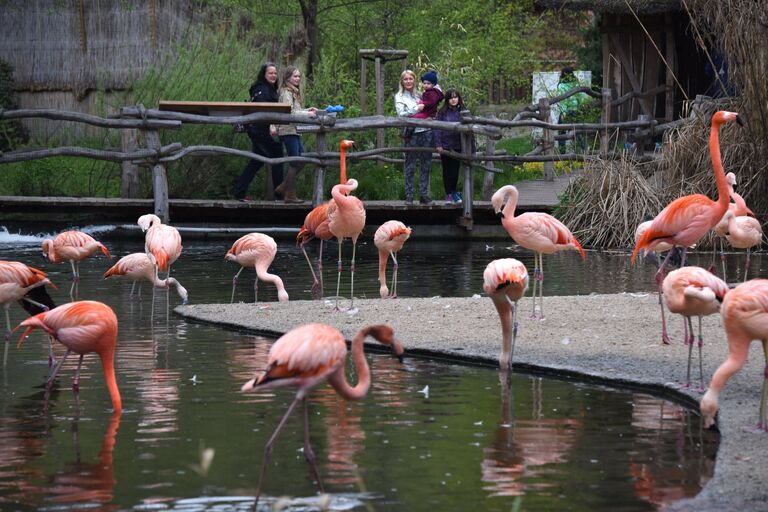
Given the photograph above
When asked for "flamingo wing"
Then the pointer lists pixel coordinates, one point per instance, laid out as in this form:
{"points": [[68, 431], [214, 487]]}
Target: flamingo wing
{"points": [[542, 233], [310, 351]]}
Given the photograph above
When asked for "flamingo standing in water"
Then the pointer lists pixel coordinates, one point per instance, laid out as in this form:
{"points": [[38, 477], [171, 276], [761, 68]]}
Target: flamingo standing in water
{"points": [[83, 327], [315, 226], [684, 221], [73, 246], [17, 280], [162, 241], [693, 291], [256, 250], [305, 357], [505, 282], [539, 232], [346, 219], [140, 266], [745, 318], [389, 239]]}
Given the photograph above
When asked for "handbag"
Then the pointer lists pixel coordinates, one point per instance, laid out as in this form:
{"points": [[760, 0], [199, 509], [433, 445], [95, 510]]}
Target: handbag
{"points": [[242, 127]]}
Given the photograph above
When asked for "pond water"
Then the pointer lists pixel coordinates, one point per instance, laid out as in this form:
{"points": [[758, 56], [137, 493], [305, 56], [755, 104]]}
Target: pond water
{"points": [[470, 439]]}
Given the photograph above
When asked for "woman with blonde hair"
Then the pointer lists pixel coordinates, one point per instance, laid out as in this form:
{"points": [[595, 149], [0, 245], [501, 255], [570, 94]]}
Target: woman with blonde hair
{"points": [[290, 92], [407, 104]]}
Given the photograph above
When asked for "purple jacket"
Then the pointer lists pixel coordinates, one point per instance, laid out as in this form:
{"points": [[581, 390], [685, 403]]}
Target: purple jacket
{"points": [[448, 140]]}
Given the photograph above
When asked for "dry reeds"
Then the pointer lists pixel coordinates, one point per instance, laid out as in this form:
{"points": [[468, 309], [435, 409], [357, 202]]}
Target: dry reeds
{"points": [[605, 205]]}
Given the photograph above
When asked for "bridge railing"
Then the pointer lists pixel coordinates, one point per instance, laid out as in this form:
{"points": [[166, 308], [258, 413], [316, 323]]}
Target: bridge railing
{"points": [[156, 156]]}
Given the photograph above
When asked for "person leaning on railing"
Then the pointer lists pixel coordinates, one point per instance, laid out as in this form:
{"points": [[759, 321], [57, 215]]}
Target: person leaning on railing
{"points": [[262, 135]]}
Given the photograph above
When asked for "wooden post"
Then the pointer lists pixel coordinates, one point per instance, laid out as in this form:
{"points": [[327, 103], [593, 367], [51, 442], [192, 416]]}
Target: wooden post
{"points": [[129, 180], [363, 87], [379, 101], [605, 118], [159, 179], [490, 149], [548, 140], [669, 96], [317, 197], [641, 141], [269, 185], [466, 150]]}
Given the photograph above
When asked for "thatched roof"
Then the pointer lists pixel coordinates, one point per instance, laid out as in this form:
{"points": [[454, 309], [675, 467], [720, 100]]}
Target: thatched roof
{"points": [[613, 6], [53, 45]]}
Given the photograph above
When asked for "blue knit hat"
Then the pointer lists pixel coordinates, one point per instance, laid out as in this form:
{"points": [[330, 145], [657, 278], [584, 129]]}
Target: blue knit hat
{"points": [[430, 76]]}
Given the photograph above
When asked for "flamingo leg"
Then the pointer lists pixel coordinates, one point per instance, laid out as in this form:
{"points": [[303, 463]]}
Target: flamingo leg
{"points": [[701, 363], [133, 286], [315, 282], [51, 358], [394, 275], [256, 289], [7, 333], [320, 267], [268, 447], [541, 286], [52, 376], [535, 283], [763, 422], [338, 279], [352, 277], [234, 283], [76, 381], [746, 266], [664, 334], [309, 453], [722, 256], [514, 331], [690, 353]]}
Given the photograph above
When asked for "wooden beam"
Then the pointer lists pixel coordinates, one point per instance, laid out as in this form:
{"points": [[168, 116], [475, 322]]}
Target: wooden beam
{"points": [[671, 51], [363, 87], [626, 65]]}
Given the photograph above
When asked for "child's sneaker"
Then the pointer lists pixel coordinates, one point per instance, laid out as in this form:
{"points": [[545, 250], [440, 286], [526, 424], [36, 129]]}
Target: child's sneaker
{"points": [[449, 199], [456, 197]]}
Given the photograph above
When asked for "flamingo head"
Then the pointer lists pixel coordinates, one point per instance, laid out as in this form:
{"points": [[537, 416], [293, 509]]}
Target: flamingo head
{"points": [[346, 144], [147, 221], [47, 247], [501, 197], [723, 116], [385, 335]]}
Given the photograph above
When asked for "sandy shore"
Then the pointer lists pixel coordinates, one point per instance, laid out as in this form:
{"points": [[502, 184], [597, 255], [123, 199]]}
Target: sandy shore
{"points": [[606, 337]]}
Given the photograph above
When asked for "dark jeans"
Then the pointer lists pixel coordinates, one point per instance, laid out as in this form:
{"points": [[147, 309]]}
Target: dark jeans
{"points": [[293, 147], [450, 173], [265, 147]]}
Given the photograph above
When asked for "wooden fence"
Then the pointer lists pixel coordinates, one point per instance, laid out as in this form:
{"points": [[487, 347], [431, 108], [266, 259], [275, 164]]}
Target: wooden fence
{"points": [[156, 156]]}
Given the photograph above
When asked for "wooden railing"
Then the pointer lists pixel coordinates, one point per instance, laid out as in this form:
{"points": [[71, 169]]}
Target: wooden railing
{"points": [[156, 156]]}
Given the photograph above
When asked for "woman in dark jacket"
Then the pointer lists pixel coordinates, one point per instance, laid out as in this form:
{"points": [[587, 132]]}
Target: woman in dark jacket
{"points": [[451, 141], [263, 141]]}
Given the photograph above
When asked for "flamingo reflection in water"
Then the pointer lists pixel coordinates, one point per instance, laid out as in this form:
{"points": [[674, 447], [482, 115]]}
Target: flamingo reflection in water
{"points": [[521, 448]]}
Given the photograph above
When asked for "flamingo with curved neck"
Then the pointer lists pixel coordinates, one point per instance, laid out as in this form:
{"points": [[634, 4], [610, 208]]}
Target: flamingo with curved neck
{"points": [[343, 146], [256, 250], [140, 266], [306, 356], [684, 221], [346, 219], [83, 327]]}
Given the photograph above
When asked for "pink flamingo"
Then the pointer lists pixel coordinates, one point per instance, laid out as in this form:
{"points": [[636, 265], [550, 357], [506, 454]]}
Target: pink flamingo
{"points": [[743, 232], [693, 291], [16, 281], [505, 282], [162, 241], [140, 266], [389, 239], [306, 356], [256, 250], [346, 219], [315, 226], [539, 232], [738, 208], [83, 327], [745, 318], [73, 246], [684, 221], [660, 248]]}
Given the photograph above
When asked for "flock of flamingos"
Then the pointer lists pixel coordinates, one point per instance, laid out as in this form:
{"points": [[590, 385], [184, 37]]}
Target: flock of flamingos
{"points": [[312, 353]]}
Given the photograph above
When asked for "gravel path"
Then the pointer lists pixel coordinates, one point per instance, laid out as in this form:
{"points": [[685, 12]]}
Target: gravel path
{"points": [[604, 337]]}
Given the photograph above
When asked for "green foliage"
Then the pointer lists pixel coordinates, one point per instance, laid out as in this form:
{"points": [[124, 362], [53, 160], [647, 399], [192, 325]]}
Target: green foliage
{"points": [[591, 54], [60, 176], [12, 133]]}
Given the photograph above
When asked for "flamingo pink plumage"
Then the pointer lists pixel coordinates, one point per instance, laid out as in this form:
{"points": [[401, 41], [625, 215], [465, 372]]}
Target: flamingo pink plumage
{"points": [[305, 357], [693, 291], [539, 232], [83, 327], [346, 219], [16, 281], [73, 246], [745, 318], [161, 240], [140, 266], [738, 208], [744, 232], [686, 219], [505, 282], [315, 226], [389, 239], [256, 250]]}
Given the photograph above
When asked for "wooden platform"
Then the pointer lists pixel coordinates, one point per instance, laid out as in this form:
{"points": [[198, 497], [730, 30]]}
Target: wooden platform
{"points": [[535, 195]]}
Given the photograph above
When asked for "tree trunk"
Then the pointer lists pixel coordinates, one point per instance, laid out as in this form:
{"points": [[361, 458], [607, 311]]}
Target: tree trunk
{"points": [[309, 17]]}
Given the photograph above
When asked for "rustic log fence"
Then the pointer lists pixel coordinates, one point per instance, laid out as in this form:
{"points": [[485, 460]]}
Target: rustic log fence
{"points": [[156, 156]]}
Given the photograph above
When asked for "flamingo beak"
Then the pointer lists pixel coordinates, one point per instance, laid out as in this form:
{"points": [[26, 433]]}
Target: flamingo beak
{"points": [[739, 120]]}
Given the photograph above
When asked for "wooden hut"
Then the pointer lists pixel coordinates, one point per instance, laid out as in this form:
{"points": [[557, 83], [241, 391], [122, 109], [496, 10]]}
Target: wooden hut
{"points": [[651, 57]]}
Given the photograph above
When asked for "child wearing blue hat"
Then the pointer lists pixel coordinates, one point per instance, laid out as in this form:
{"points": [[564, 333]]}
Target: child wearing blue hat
{"points": [[430, 98]]}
